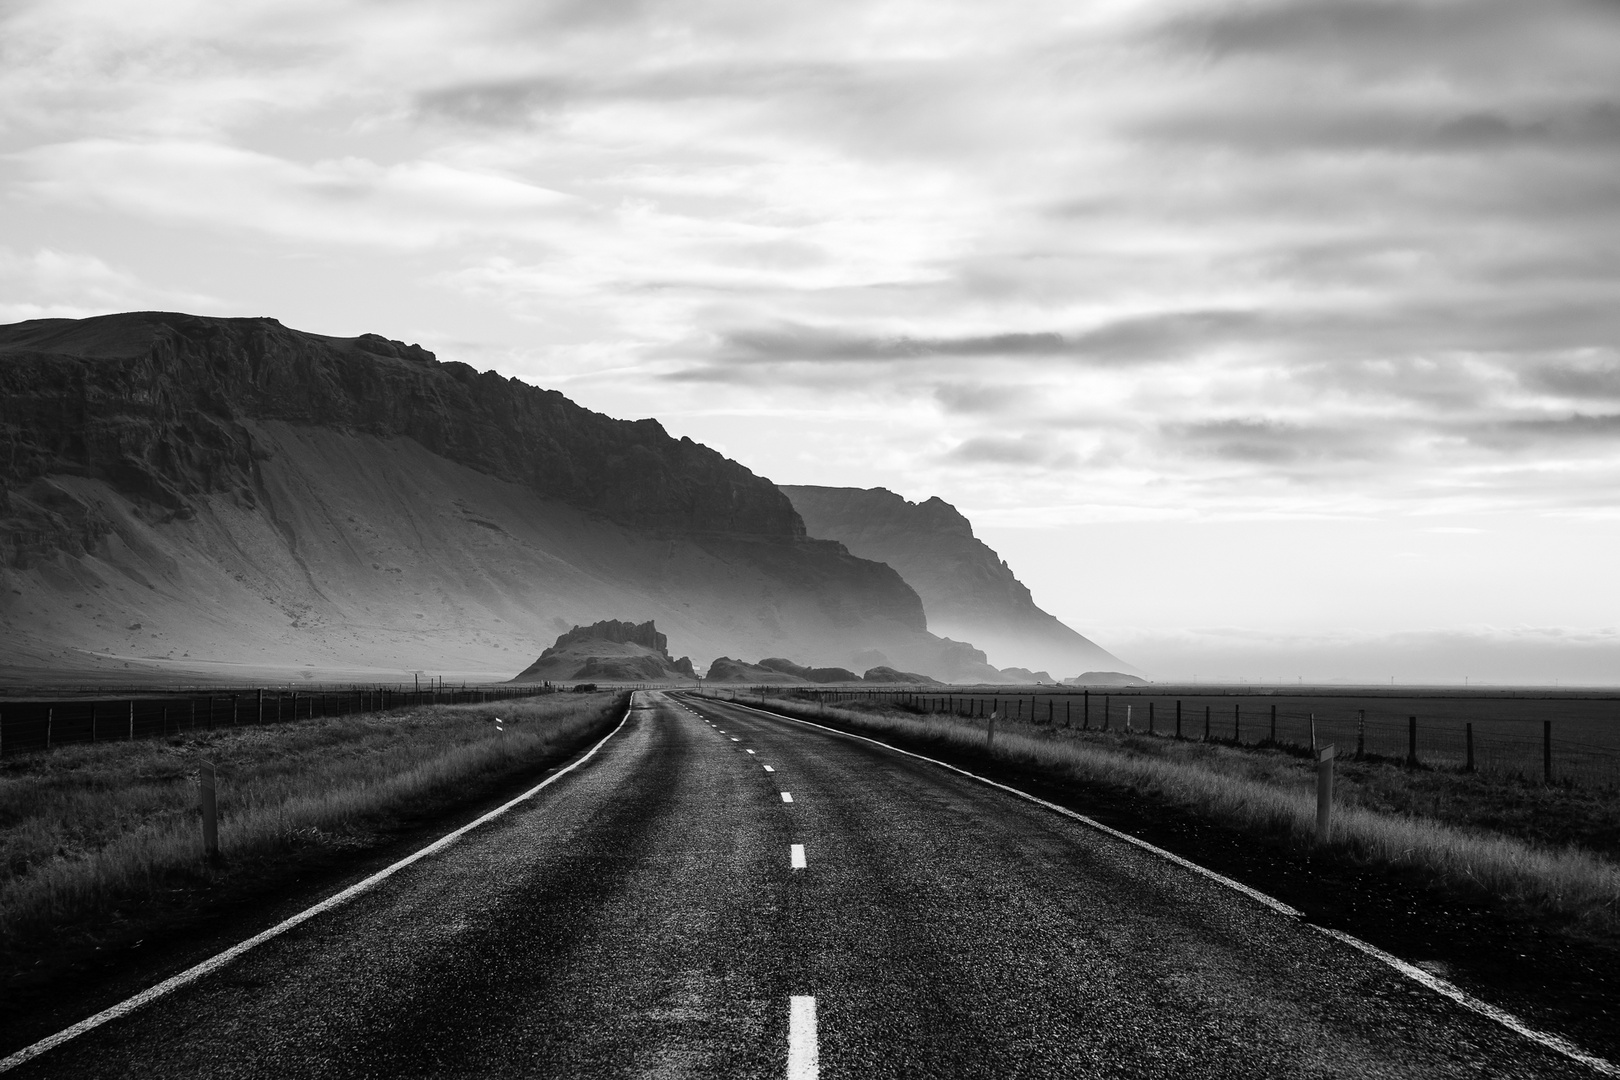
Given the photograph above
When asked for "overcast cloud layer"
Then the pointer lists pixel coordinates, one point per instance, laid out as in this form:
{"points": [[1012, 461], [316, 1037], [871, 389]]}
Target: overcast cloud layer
{"points": [[1058, 263]]}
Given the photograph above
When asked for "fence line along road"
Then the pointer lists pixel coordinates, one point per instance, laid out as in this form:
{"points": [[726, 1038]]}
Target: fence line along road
{"points": [[32, 726], [1553, 739]]}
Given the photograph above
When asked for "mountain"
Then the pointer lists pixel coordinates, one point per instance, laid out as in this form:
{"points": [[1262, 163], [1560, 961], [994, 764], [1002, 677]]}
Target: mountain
{"points": [[967, 590], [205, 496], [610, 651], [726, 670]]}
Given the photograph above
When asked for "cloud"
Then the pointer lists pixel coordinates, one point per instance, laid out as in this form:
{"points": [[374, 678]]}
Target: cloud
{"points": [[50, 284], [1134, 339], [1015, 450], [1273, 442], [501, 103], [343, 200]]}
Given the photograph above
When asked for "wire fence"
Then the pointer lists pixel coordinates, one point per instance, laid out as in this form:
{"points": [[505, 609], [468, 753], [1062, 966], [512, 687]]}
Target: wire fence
{"points": [[1557, 739], [40, 724]]}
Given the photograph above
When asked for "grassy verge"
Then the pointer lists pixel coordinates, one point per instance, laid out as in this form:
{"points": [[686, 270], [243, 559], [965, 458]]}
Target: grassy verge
{"points": [[89, 835], [1499, 837]]}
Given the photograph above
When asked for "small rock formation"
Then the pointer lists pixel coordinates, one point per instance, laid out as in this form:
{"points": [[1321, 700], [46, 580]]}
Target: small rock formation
{"points": [[608, 651], [891, 676], [1106, 678]]}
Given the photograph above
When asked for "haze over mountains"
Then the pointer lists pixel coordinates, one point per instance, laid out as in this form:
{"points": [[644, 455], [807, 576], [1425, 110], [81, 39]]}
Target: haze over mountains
{"points": [[968, 591], [232, 496]]}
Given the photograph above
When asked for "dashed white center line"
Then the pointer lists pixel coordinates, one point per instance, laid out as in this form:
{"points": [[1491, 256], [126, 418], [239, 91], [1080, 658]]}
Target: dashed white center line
{"points": [[735, 739], [796, 856], [804, 1056], [786, 797], [769, 769], [750, 751]]}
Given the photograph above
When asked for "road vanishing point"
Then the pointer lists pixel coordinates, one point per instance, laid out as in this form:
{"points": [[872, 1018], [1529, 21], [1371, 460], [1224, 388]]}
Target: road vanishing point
{"points": [[718, 892]]}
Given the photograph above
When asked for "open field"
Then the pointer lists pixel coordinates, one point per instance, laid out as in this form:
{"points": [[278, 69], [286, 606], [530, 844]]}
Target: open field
{"points": [[1550, 850], [1509, 728], [93, 832], [50, 719]]}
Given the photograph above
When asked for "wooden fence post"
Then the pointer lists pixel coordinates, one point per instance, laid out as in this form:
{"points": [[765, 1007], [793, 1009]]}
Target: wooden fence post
{"points": [[210, 812], [1361, 733], [1150, 718], [1468, 737], [1178, 719], [1106, 711], [132, 720], [50, 719], [1411, 742], [1085, 722], [1206, 723], [1274, 725], [261, 705], [1324, 794], [1546, 751], [1237, 724]]}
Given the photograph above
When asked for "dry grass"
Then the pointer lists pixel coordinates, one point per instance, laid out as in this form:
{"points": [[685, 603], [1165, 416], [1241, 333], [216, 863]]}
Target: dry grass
{"points": [[1274, 794], [87, 829]]}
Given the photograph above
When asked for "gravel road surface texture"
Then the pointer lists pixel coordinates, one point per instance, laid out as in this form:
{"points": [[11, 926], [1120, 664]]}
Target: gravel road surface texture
{"points": [[666, 910]]}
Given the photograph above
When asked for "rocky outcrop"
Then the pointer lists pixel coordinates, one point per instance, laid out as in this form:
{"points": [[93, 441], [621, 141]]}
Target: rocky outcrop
{"points": [[644, 634], [608, 651], [968, 591]]}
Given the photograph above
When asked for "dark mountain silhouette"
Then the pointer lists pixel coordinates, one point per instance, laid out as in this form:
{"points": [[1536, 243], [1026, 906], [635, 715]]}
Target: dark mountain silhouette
{"points": [[967, 590], [187, 494]]}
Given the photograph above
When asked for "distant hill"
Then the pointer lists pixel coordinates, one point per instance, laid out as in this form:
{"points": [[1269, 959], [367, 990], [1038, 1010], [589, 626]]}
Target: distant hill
{"points": [[968, 592], [1106, 678], [184, 496], [889, 676]]}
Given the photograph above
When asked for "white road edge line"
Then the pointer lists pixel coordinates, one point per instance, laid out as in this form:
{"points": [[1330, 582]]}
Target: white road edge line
{"points": [[786, 797], [1556, 1043], [804, 1054], [219, 960], [796, 856]]}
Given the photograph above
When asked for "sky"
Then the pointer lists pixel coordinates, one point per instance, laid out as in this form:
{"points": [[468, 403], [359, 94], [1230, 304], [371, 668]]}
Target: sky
{"points": [[1265, 340]]}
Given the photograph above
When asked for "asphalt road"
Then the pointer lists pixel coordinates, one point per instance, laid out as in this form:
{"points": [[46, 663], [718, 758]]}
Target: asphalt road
{"points": [[643, 917]]}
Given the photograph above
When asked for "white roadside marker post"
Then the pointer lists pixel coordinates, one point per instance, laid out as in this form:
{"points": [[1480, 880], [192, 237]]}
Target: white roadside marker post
{"points": [[1324, 794], [500, 726], [210, 810], [990, 735]]}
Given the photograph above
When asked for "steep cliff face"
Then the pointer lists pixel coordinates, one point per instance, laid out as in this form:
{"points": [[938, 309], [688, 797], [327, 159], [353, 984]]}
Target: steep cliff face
{"points": [[232, 496], [968, 591], [158, 404]]}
